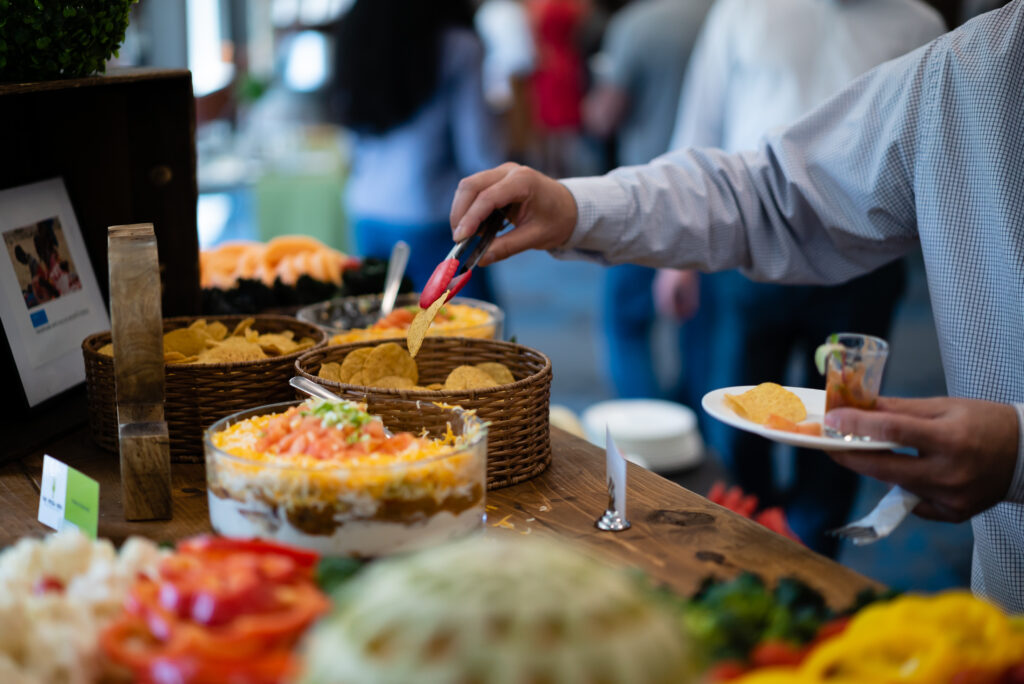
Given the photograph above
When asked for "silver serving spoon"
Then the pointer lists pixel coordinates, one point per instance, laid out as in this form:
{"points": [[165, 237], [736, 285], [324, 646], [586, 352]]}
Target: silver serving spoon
{"points": [[393, 278], [307, 386]]}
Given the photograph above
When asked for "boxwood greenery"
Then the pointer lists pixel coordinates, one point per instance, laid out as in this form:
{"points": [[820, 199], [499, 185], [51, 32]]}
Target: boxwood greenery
{"points": [[47, 39]]}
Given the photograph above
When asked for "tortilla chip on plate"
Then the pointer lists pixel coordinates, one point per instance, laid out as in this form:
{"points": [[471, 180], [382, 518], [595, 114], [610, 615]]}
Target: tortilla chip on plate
{"points": [[758, 403]]}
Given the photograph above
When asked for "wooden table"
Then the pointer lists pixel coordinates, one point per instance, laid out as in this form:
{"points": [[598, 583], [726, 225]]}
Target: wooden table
{"points": [[677, 536]]}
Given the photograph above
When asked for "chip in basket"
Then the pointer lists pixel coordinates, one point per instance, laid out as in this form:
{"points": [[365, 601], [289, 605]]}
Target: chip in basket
{"points": [[388, 366], [331, 371], [353, 363], [498, 371], [768, 398], [185, 341], [203, 342], [233, 350], [469, 377], [390, 359]]}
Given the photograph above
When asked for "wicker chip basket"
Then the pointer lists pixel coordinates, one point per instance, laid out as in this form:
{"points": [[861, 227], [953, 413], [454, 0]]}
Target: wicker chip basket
{"points": [[518, 438], [197, 395]]}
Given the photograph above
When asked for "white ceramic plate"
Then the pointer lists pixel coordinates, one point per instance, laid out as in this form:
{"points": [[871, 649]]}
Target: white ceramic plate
{"points": [[814, 400], [658, 435]]}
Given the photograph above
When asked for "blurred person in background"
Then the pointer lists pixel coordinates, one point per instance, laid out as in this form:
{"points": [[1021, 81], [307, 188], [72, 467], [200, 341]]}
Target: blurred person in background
{"points": [[761, 64], [509, 59], [409, 87], [640, 73], [557, 83]]}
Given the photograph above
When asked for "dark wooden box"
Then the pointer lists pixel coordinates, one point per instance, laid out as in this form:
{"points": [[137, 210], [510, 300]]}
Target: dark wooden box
{"points": [[124, 144]]}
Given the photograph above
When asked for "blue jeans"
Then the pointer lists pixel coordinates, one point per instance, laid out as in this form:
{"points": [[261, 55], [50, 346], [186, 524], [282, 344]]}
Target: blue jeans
{"points": [[429, 244], [745, 334], [627, 319]]}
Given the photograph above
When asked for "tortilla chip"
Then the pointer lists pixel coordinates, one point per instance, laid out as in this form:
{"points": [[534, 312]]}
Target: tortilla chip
{"points": [[187, 341], [767, 398], [390, 359], [354, 362], [106, 350], [435, 386], [358, 378], [242, 326], [277, 344], [394, 382], [499, 371], [217, 331], [467, 378], [420, 324], [330, 371], [305, 343], [232, 350]]}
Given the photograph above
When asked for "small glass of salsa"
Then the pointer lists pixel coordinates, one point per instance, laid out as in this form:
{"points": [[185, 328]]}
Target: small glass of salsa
{"points": [[853, 374]]}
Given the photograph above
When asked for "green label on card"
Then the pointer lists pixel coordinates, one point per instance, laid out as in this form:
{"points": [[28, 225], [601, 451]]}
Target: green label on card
{"points": [[68, 498]]}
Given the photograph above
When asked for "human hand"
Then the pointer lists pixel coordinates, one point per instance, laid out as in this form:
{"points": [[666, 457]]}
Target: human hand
{"points": [[542, 209], [676, 293], [967, 451]]}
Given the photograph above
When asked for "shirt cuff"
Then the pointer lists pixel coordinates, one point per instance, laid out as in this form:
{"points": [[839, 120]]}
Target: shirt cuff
{"points": [[601, 205], [1016, 491]]}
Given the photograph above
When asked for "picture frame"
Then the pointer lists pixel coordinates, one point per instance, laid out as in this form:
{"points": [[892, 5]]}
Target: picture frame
{"points": [[50, 299]]}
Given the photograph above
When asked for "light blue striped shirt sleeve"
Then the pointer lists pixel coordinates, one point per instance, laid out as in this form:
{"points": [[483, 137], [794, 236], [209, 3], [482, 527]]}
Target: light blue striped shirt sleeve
{"points": [[927, 149]]}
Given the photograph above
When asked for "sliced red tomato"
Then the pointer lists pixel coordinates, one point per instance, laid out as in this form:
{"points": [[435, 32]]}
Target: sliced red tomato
{"points": [[832, 628], [204, 543], [128, 642], [774, 653], [726, 670], [273, 667], [220, 610]]}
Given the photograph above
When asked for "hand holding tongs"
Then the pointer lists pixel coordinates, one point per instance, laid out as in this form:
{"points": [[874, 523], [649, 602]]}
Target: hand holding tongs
{"points": [[450, 274]]}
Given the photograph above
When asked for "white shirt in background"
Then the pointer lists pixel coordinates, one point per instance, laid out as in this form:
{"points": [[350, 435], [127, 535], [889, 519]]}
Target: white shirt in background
{"points": [[505, 31], [760, 64]]}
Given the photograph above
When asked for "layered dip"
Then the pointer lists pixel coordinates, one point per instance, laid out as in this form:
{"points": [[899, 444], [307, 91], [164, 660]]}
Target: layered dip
{"points": [[328, 476]]}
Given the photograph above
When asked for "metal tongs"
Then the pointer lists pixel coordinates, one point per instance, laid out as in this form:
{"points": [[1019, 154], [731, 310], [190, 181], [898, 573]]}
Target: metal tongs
{"points": [[453, 273]]}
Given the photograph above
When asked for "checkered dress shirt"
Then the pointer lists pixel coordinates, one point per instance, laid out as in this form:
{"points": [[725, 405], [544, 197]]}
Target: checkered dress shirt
{"points": [[927, 150]]}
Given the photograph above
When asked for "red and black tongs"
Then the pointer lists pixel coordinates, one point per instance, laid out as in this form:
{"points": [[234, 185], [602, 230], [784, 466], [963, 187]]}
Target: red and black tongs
{"points": [[453, 273]]}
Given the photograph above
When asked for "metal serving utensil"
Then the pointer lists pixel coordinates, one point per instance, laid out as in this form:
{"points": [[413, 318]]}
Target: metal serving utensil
{"points": [[453, 273], [393, 278], [307, 386]]}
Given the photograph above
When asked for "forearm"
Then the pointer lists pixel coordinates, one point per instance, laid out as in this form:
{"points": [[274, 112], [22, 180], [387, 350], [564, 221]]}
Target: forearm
{"points": [[712, 211]]}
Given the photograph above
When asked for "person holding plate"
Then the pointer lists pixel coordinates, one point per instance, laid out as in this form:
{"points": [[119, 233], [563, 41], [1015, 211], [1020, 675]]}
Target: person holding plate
{"points": [[925, 150]]}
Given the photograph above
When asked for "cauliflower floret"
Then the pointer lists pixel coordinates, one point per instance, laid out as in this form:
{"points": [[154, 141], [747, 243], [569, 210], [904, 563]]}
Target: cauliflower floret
{"points": [[52, 637]]}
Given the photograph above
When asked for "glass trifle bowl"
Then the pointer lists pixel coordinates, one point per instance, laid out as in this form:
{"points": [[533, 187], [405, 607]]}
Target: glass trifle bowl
{"points": [[330, 477], [355, 319]]}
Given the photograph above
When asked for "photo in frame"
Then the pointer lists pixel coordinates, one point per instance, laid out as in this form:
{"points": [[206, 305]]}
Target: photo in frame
{"points": [[51, 299]]}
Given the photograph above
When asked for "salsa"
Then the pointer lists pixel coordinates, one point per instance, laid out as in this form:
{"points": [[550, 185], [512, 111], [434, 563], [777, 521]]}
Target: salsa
{"points": [[334, 431], [844, 387]]}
